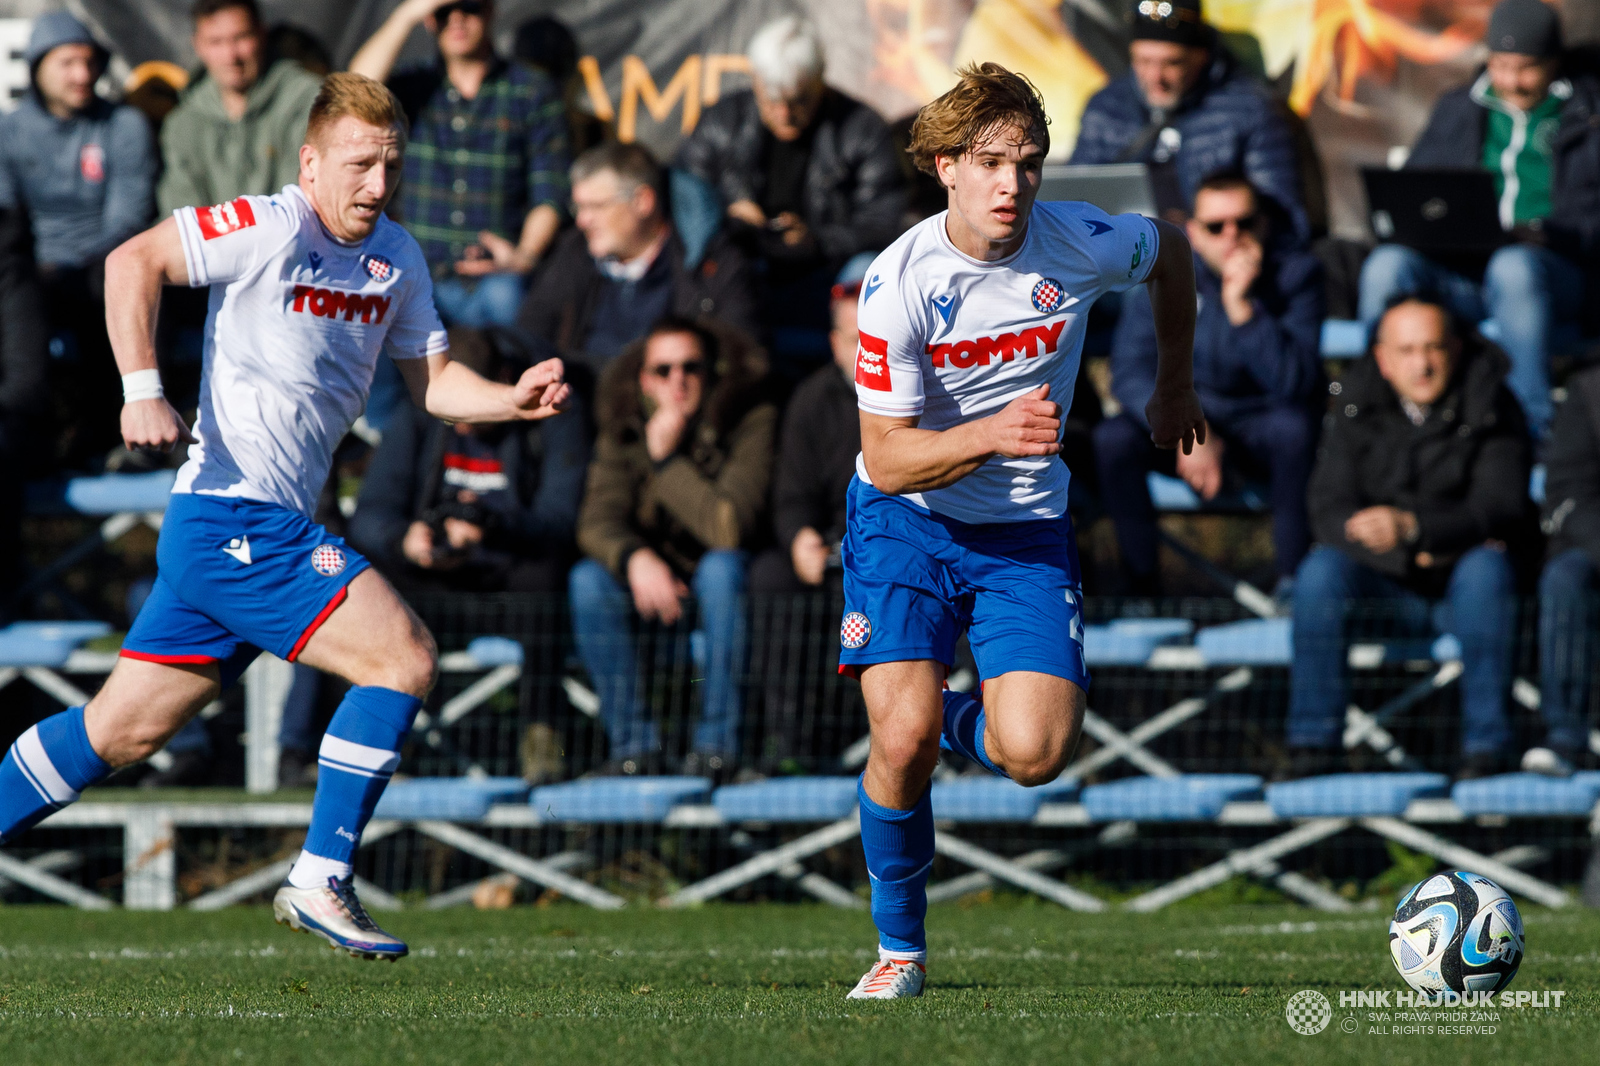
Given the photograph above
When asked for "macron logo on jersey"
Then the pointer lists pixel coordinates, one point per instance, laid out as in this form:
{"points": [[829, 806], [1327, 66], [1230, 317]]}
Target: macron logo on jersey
{"points": [[1006, 347], [872, 362], [219, 220], [330, 303]]}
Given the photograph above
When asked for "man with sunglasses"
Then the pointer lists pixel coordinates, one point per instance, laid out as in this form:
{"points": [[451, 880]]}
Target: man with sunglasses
{"points": [[1257, 368], [486, 170]]}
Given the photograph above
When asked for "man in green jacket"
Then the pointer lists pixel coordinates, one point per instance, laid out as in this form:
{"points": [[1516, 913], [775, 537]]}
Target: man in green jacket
{"points": [[238, 129]]}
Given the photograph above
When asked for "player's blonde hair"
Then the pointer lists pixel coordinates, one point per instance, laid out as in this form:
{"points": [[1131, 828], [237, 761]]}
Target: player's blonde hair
{"points": [[987, 98], [358, 96]]}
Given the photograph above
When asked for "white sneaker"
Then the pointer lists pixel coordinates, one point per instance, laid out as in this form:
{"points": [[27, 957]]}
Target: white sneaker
{"points": [[333, 912], [1546, 761], [891, 979]]}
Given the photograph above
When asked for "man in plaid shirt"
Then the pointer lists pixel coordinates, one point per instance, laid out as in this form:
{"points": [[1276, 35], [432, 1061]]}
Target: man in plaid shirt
{"points": [[486, 167]]}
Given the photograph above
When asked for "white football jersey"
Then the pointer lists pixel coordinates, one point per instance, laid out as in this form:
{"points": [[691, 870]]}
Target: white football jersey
{"points": [[949, 339], [296, 323]]}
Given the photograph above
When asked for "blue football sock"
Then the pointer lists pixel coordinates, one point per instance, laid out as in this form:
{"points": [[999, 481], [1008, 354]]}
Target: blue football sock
{"points": [[963, 729], [357, 758], [45, 770], [899, 848]]}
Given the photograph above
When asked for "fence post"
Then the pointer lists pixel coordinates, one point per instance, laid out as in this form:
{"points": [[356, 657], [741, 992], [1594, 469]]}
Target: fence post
{"points": [[266, 690]]}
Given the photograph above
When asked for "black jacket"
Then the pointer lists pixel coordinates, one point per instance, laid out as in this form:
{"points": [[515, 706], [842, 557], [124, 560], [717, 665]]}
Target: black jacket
{"points": [[1572, 486], [560, 304], [816, 457], [1454, 138], [1463, 472], [24, 334], [854, 192], [545, 461]]}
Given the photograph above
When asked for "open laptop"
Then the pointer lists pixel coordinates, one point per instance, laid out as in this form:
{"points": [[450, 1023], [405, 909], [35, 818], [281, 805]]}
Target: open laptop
{"points": [[1434, 210], [1115, 188]]}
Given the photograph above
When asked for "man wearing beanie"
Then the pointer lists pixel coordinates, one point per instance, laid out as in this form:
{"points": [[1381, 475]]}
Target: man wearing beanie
{"points": [[84, 172], [1536, 127], [1189, 110]]}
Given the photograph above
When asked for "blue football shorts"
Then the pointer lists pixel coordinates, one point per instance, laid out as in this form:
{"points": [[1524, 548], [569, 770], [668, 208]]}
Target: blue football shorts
{"points": [[236, 576], [913, 580]]}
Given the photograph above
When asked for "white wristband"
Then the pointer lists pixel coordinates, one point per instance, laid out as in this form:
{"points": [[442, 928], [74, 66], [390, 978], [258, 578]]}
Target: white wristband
{"points": [[141, 385]]}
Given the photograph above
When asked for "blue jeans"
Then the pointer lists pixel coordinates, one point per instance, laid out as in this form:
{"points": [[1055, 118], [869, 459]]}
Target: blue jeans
{"points": [[1531, 296], [1479, 608], [602, 622], [476, 303], [1566, 648]]}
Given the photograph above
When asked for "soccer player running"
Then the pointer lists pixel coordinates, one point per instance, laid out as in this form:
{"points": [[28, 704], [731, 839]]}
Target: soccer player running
{"points": [[971, 330], [308, 289]]}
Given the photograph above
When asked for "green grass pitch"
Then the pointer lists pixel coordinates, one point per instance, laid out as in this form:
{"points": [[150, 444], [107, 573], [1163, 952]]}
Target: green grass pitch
{"points": [[1012, 982]]}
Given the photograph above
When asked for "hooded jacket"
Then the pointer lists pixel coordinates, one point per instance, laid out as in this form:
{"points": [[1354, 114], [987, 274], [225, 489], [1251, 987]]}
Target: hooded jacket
{"points": [[711, 494], [1226, 122], [854, 190], [1463, 472], [211, 157]]}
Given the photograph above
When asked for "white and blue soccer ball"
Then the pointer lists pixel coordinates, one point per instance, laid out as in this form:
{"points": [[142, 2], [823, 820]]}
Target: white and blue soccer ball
{"points": [[1457, 932]]}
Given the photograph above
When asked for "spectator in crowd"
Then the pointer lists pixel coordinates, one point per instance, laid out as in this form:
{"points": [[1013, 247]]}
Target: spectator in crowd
{"points": [[623, 267], [486, 508], [1538, 133], [486, 167], [84, 171], [285, 40], [808, 175], [1188, 109], [546, 42], [821, 436], [23, 361], [1257, 367], [1419, 497], [238, 130], [1567, 630], [676, 496]]}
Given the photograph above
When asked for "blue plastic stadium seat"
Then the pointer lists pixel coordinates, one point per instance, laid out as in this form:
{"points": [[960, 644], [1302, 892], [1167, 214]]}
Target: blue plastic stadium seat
{"points": [[113, 493], [1353, 795], [447, 799], [1256, 642], [787, 799], [45, 643], [981, 798], [1187, 798], [1130, 641], [1343, 338], [496, 651], [617, 799], [1528, 794]]}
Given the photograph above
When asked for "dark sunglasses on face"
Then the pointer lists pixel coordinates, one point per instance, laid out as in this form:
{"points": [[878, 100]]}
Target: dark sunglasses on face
{"points": [[692, 368], [466, 7], [1248, 222]]}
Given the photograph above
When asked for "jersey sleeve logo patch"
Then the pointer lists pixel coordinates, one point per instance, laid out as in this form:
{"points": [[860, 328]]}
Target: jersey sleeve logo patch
{"points": [[856, 630], [327, 560], [378, 268], [872, 362], [219, 220], [1048, 295]]}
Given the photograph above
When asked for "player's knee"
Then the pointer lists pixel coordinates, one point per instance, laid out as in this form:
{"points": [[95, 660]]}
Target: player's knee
{"points": [[908, 753], [1038, 767], [419, 667]]}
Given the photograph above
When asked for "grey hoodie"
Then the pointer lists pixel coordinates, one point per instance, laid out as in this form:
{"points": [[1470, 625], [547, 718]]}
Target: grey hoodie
{"points": [[211, 157]]}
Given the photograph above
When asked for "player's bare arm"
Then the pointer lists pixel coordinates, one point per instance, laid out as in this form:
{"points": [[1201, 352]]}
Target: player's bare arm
{"points": [[1173, 412], [456, 393], [135, 273], [901, 458]]}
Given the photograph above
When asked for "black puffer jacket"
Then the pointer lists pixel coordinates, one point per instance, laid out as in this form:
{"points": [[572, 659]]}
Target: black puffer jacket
{"points": [[1572, 490], [854, 192], [1463, 472], [1454, 138]]}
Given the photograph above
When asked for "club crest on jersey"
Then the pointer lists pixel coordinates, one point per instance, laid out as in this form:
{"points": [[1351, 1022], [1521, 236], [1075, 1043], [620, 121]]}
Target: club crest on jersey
{"points": [[327, 560], [856, 630], [378, 268], [219, 220], [945, 305], [1048, 296]]}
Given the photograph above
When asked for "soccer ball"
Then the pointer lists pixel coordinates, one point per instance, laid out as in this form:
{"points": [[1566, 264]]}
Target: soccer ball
{"points": [[1456, 932]]}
